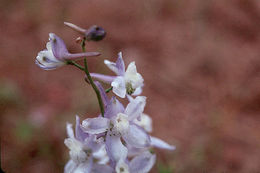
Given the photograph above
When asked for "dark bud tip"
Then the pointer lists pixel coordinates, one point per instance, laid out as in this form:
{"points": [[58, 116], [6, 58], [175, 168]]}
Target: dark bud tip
{"points": [[95, 33]]}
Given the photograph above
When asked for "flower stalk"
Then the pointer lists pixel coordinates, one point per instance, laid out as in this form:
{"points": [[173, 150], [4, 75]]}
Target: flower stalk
{"points": [[100, 102]]}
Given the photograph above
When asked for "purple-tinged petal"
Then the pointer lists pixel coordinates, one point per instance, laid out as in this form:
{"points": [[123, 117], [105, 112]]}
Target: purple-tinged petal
{"points": [[80, 134], [119, 86], [102, 93], [93, 143], [113, 108], [75, 56], [84, 167], [142, 163], [112, 66], [58, 46], [135, 108], [104, 78], [120, 65], [115, 149], [70, 167], [100, 168], [158, 143], [137, 137], [95, 125]]}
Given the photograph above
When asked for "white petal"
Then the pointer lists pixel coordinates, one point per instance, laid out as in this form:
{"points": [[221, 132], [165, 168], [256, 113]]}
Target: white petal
{"points": [[70, 132], [95, 125], [144, 122], [111, 66], [131, 76], [115, 149], [137, 137], [142, 163], [138, 91], [119, 86], [76, 150], [158, 143], [136, 107]]}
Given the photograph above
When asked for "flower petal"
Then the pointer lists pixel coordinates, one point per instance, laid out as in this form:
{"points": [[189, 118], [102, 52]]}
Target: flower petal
{"points": [[111, 66], [145, 122], [70, 132], [137, 137], [75, 56], [84, 167], [80, 134], [102, 93], [133, 77], [142, 163], [119, 86], [100, 168], [115, 149], [122, 167], [95, 125], [70, 166], [104, 78], [158, 143], [120, 64], [58, 46], [136, 107], [113, 108], [46, 60]]}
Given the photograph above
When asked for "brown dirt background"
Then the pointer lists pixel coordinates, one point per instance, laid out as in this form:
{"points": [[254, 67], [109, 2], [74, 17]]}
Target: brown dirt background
{"points": [[200, 60]]}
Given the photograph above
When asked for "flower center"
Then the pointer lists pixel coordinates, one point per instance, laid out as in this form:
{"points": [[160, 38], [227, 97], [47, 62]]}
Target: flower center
{"points": [[120, 124]]}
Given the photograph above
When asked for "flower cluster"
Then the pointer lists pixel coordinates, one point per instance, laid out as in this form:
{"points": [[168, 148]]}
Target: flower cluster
{"points": [[118, 140]]}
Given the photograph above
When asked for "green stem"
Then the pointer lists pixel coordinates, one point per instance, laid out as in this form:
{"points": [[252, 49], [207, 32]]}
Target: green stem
{"points": [[91, 80], [109, 89], [69, 62]]}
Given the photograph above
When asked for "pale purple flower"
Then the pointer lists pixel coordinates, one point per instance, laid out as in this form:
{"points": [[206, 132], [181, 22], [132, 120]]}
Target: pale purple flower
{"points": [[127, 81], [57, 54], [118, 123], [142, 163], [84, 148]]}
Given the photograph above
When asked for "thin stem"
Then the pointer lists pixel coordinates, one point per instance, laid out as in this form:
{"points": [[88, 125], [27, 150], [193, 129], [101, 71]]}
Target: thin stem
{"points": [[100, 102], [69, 62], [109, 89]]}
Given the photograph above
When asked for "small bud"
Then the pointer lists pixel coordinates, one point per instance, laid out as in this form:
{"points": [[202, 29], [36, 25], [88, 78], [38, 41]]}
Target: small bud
{"points": [[94, 33]]}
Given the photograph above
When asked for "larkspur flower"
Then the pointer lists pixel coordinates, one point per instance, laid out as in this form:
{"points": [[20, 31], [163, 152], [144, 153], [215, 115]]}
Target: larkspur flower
{"points": [[84, 149], [57, 54], [118, 123], [127, 81]]}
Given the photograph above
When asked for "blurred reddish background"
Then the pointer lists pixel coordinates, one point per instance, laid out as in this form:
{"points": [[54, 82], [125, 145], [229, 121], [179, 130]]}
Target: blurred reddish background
{"points": [[200, 60]]}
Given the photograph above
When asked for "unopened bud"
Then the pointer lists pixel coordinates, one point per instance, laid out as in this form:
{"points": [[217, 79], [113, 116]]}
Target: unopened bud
{"points": [[94, 33]]}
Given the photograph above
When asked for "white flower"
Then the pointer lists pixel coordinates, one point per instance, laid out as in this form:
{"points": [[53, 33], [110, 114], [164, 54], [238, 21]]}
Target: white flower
{"points": [[126, 82]]}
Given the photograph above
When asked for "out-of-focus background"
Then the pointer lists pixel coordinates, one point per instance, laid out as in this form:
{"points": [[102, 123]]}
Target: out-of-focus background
{"points": [[200, 60]]}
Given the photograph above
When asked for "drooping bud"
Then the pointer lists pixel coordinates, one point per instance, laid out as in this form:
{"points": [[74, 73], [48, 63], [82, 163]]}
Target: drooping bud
{"points": [[93, 33]]}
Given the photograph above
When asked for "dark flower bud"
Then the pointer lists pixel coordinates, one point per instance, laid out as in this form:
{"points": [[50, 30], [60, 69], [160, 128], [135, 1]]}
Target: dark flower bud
{"points": [[94, 33]]}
